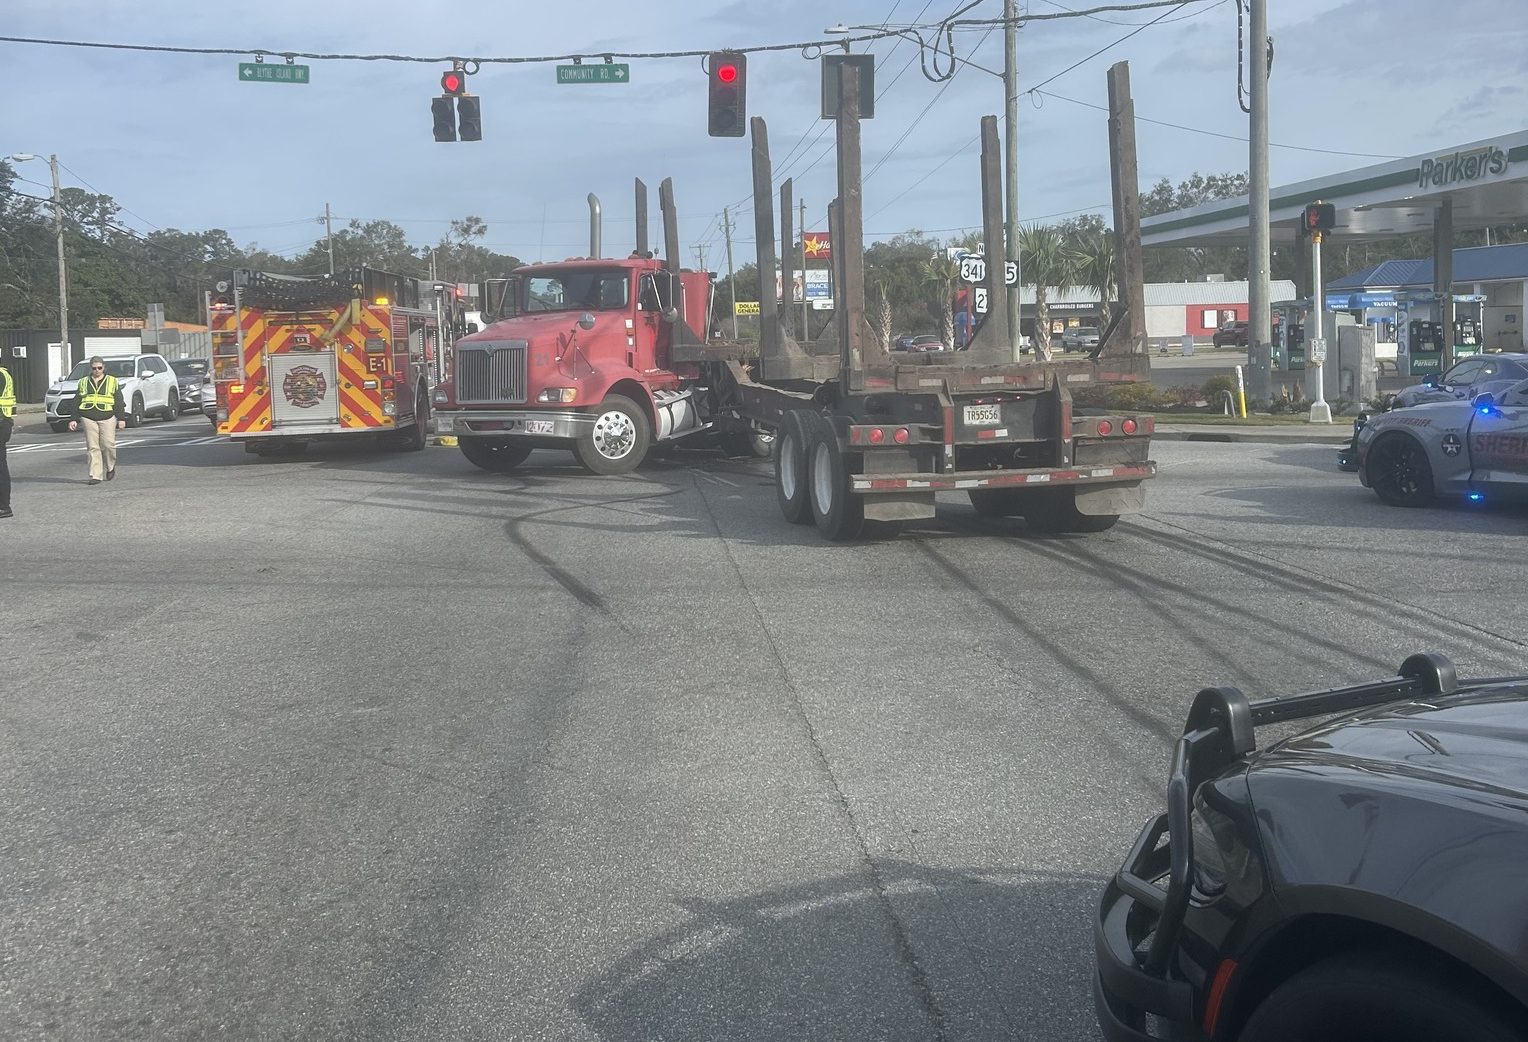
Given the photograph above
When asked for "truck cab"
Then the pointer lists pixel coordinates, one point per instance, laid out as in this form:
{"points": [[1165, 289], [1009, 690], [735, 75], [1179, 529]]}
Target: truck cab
{"points": [[581, 360]]}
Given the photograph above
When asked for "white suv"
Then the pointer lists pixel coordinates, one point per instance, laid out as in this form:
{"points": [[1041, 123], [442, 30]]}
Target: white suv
{"points": [[148, 385]]}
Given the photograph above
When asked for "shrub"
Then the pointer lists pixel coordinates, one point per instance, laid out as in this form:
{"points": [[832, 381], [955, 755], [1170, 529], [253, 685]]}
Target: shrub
{"points": [[1215, 385], [1186, 397], [1280, 407]]}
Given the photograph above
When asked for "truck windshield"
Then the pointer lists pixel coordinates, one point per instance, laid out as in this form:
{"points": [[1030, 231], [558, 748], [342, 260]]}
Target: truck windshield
{"points": [[578, 291]]}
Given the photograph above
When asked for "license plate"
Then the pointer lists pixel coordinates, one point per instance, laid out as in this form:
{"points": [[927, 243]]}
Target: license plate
{"points": [[538, 426], [977, 415]]}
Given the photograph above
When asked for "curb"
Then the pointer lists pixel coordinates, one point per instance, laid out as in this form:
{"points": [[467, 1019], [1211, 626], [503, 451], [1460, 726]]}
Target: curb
{"points": [[1314, 438], [447, 440]]}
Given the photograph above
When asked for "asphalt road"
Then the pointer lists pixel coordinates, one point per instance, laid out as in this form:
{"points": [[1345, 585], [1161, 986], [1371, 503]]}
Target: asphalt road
{"points": [[377, 746]]}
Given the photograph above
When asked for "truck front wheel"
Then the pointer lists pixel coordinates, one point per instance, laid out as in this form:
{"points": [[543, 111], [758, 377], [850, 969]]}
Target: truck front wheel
{"points": [[499, 457], [617, 441]]}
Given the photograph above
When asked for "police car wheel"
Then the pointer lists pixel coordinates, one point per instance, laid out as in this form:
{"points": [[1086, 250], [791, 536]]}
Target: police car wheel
{"points": [[1399, 472]]}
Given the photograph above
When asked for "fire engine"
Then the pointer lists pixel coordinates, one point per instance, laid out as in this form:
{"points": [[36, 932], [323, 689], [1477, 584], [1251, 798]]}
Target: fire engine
{"points": [[298, 359]]}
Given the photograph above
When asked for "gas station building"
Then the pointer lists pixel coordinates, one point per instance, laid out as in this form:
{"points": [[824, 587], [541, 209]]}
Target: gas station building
{"points": [[1430, 310]]}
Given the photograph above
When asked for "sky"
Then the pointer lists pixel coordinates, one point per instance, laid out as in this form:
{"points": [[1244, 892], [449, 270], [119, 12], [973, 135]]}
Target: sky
{"points": [[179, 142]]}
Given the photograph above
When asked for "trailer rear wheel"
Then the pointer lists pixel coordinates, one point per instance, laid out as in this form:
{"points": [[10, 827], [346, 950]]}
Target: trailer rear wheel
{"points": [[1054, 510], [791, 474], [997, 502], [839, 513], [498, 457], [617, 441]]}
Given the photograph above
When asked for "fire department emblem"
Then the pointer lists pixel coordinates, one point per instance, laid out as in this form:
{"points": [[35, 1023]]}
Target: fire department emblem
{"points": [[304, 386]]}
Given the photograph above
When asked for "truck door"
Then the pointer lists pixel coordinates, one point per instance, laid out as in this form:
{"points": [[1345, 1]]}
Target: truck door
{"points": [[1499, 442]]}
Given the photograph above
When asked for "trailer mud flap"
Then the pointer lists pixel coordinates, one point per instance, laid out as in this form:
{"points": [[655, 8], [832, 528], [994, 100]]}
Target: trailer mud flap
{"points": [[1102, 500], [901, 506]]}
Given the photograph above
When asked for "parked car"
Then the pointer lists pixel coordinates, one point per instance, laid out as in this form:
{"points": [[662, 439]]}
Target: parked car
{"points": [[209, 399], [1467, 378], [148, 385], [1079, 338], [1358, 880], [1232, 334], [1466, 449], [190, 374], [918, 342]]}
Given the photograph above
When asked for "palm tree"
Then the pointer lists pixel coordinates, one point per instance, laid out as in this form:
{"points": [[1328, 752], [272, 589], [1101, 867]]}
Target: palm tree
{"points": [[1047, 265], [880, 318], [942, 275], [1094, 260]]}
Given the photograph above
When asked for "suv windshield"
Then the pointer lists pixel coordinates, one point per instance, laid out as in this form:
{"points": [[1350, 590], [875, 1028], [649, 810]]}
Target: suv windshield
{"points": [[121, 368], [1086, 331], [189, 366], [578, 291]]}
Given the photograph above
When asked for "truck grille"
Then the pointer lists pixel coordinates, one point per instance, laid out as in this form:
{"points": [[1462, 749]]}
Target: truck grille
{"points": [[491, 373]]}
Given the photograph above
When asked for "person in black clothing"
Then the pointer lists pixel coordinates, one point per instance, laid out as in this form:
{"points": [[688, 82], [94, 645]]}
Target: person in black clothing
{"points": [[98, 408], [7, 424]]}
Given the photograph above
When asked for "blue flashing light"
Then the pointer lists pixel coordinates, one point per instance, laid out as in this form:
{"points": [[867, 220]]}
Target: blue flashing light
{"points": [[1476, 497], [1485, 410]]}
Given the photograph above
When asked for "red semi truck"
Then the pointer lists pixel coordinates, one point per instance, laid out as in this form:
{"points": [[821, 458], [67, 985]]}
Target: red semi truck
{"points": [[608, 358]]}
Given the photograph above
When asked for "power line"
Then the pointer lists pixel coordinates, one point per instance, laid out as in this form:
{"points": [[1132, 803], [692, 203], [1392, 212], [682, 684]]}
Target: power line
{"points": [[1215, 133]]}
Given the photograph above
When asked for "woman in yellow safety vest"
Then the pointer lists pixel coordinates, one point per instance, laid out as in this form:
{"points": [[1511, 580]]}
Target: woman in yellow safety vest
{"points": [[7, 424], [98, 408]]}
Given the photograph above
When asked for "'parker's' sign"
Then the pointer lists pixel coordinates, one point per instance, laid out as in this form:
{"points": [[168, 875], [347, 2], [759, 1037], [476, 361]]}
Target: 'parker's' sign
{"points": [[1462, 167]]}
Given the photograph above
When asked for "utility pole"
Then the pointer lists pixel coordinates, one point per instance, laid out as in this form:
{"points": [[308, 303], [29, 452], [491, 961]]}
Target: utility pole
{"points": [[329, 235], [1011, 159], [731, 275], [1259, 291], [63, 278], [700, 256]]}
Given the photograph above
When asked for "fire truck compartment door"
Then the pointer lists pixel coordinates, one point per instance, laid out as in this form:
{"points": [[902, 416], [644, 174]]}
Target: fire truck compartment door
{"points": [[304, 389]]}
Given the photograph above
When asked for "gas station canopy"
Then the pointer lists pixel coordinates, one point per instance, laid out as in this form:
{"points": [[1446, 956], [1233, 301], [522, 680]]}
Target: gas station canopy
{"points": [[1486, 181]]}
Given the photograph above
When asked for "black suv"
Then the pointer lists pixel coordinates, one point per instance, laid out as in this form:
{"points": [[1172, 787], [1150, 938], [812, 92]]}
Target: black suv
{"points": [[1361, 880]]}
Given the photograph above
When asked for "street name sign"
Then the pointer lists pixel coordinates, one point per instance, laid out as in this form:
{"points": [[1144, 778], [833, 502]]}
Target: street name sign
{"points": [[259, 72], [611, 73]]}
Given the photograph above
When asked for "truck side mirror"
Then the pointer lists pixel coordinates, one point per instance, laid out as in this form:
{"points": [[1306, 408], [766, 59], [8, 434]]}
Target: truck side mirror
{"points": [[586, 321]]}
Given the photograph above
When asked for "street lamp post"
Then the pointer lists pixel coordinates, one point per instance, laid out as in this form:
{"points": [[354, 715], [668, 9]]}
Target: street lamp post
{"points": [[1009, 76], [63, 276]]}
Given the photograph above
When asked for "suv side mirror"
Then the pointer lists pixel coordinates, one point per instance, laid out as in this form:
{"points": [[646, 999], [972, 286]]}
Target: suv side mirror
{"points": [[1485, 399], [1432, 380]]}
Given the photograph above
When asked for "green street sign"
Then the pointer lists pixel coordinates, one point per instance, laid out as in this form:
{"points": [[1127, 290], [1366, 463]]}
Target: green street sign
{"points": [[259, 72], [594, 73]]}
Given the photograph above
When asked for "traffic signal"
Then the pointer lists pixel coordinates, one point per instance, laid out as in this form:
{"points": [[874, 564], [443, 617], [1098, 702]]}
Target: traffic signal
{"points": [[444, 110], [453, 82], [470, 117], [728, 73], [1320, 217]]}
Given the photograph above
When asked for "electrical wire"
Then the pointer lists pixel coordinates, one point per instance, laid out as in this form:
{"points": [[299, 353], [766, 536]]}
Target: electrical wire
{"points": [[1214, 133]]}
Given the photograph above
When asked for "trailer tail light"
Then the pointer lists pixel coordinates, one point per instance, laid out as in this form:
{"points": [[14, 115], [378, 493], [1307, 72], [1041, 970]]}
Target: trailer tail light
{"points": [[901, 436], [1105, 428], [1128, 427], [877, 436]]}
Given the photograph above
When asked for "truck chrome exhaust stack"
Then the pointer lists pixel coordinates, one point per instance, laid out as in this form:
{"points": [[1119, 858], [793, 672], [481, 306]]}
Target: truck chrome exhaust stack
{"points": [[594, 225]]}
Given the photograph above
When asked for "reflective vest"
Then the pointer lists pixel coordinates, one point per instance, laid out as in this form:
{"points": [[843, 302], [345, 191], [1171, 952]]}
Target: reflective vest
{"points": [[7, 393], [102, 396]]}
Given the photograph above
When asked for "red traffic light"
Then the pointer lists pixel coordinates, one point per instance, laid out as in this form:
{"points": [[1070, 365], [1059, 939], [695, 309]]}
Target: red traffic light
{"points": [[453, 82], [1320, 217], [726, 73]]}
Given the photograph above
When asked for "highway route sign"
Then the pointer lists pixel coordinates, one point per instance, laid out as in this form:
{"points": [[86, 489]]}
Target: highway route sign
{"points": [[973, 268]]}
